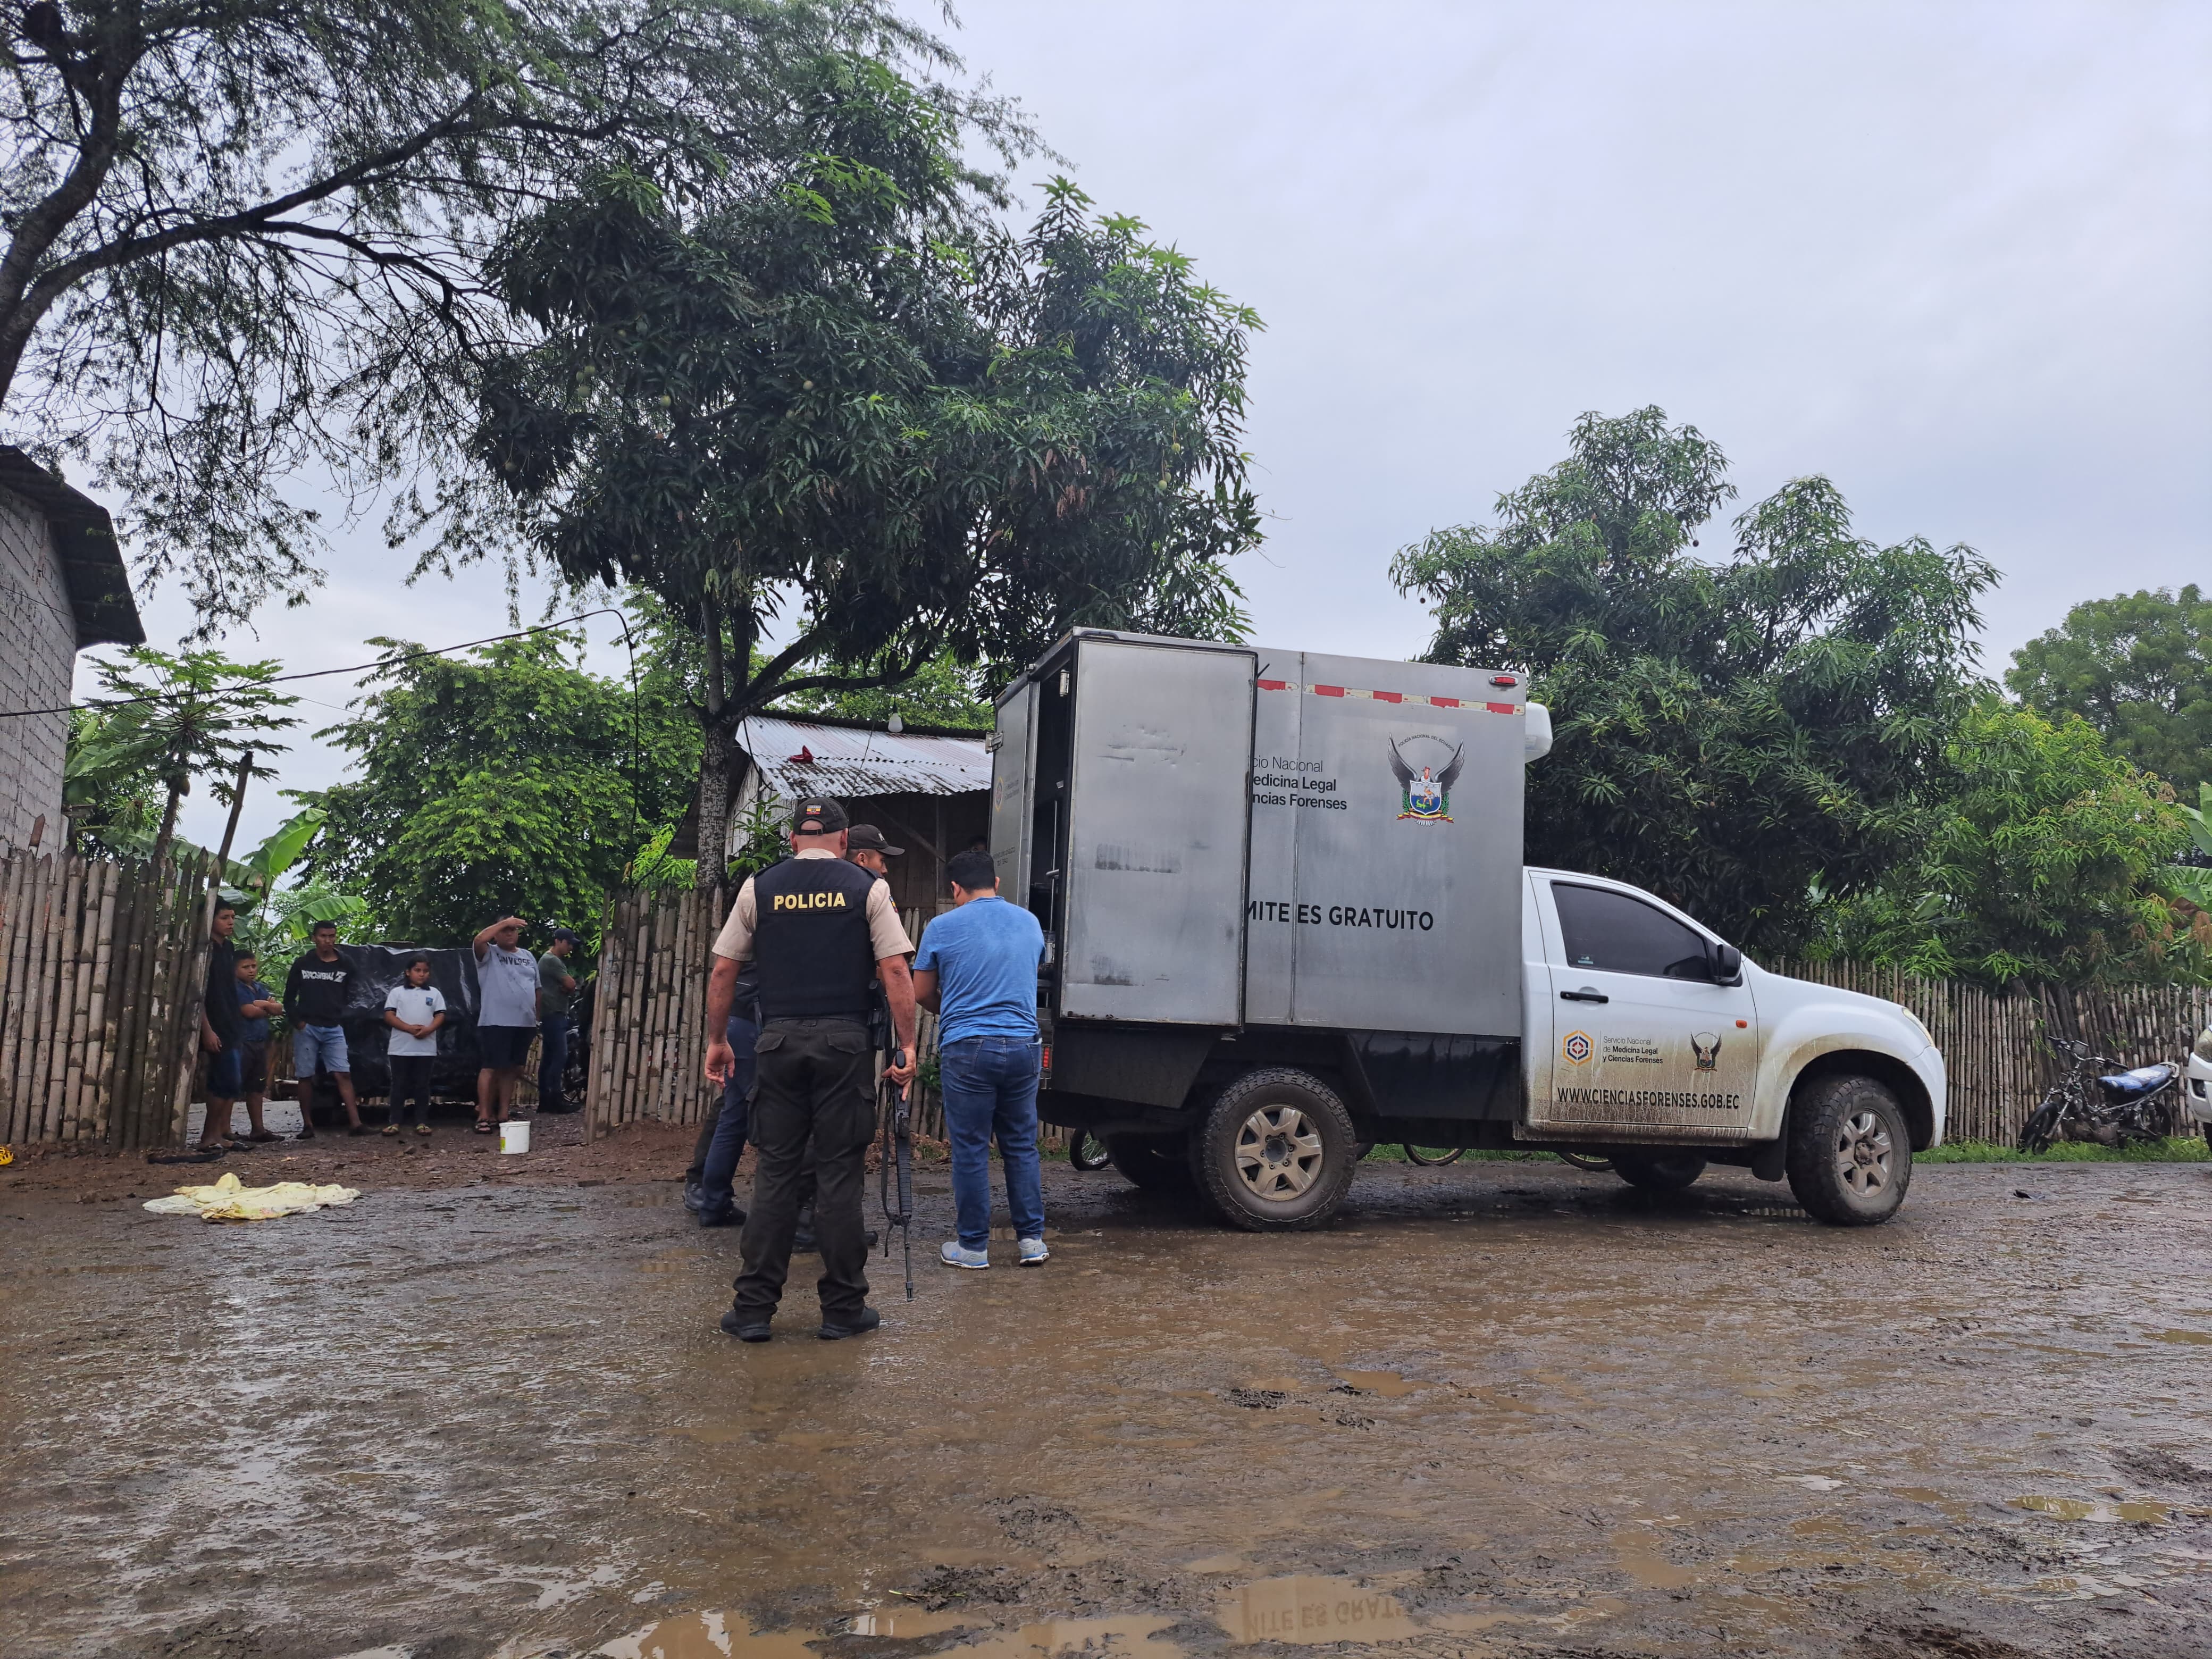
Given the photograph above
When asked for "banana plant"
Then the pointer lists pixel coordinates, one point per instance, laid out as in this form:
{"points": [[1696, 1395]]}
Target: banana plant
{"points": [[2189, 881]]}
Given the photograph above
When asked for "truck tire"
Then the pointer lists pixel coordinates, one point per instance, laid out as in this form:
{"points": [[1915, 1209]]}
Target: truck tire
{"points": [[1851, 1155], [1658, 1172], [1155, 1163], [1275, 1151]]}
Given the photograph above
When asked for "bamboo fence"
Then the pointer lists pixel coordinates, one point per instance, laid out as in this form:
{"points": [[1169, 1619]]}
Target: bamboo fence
{"points": [[102, 969], [1995, 1057]]}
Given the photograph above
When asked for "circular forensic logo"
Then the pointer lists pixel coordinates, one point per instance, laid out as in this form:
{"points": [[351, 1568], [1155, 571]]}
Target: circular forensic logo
{"points": [[1575, 1047]]}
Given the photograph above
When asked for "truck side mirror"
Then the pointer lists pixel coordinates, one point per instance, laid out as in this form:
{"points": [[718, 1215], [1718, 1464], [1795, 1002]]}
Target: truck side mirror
{"points": [[1728, 965]]}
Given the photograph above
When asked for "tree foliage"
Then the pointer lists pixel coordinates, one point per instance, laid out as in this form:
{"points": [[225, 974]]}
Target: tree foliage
{"points": [[167, 718], [2045, 866], [243, 236], [2138, 667], [507, 781], [842, 405], [1742, 734]]}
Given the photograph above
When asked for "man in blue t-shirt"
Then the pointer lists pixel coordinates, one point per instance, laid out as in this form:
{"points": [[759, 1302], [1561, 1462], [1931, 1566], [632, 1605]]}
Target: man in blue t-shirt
{"points": [[978, 969]]}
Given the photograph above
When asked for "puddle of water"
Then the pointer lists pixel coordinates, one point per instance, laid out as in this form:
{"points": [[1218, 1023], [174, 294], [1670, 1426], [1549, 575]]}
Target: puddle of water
{"points": [[1307, 1609], [1638, 1550], [2204, 1337], [1132, 1637], [706, 1635], [910, 1622], [816, 1442], [2091, 1508], [1389, 1384], [1810, 1482]]}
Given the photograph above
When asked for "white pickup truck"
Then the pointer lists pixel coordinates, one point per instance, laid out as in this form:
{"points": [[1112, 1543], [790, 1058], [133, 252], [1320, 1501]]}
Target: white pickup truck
{"points": [[1287, 917]]}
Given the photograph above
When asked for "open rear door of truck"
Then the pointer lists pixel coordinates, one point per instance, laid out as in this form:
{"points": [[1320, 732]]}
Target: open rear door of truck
{"points": [[1160, 802]]}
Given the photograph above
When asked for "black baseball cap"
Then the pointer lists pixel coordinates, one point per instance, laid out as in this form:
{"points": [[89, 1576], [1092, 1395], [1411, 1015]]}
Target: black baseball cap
{"points": [[568, 933], [867, 838], [817, 814]]}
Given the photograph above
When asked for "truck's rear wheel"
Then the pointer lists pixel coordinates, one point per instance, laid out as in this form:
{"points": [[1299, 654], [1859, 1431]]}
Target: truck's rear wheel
{"points": [[1275, 1151], [1851, 1155], [1658, 1172], [1152, 1162]]}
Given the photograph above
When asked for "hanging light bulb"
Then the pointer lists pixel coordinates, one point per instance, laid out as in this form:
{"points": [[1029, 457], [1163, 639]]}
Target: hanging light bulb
{"points": [[895, 723]]}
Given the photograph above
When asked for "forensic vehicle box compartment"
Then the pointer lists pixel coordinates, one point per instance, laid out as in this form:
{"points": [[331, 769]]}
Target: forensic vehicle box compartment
{"points": [[1219, 836]]}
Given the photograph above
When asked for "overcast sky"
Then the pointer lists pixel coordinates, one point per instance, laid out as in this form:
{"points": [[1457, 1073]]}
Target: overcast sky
{"points": [[1958, 257]]}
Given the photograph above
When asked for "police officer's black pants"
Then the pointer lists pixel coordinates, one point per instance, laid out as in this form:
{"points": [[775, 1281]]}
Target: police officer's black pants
{"points": [[817, 1078]]}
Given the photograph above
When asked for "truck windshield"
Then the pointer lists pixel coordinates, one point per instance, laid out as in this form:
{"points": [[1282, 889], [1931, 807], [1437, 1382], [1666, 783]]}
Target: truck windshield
{"points": [[1614, 934]]}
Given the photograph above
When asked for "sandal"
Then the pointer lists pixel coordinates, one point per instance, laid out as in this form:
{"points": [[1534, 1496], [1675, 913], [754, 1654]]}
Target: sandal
{"points": [[264, 1136], [391, 1128], [422, 1128], [307, 1132], [486, 1127]]}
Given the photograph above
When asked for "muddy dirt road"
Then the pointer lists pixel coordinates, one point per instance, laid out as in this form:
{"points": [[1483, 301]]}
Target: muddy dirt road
{"points": [[1500, 1409]]}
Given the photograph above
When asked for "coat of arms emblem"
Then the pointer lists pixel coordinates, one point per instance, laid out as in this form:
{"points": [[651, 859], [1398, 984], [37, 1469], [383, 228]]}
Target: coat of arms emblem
{"points": [[1426, 793]]}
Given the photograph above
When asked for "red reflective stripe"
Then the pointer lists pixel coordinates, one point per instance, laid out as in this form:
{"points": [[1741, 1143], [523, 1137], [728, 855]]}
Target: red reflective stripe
{"points": [[1445, 703], [1501, 708], [1387, 696], [1329, 690], [1274, 685]]}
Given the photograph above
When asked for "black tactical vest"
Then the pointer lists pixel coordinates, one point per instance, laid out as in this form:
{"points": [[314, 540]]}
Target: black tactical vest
{"points": [[810, 939]]}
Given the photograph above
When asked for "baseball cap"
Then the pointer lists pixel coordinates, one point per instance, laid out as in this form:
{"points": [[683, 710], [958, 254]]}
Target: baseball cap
{"points": [[867, 838], [817, 814], [568, 933]]}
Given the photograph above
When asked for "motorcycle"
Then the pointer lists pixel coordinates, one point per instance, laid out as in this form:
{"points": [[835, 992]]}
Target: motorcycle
{"points": [[2100, 1100]]}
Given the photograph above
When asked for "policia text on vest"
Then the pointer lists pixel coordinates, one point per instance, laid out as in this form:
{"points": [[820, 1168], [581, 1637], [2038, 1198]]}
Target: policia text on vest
{"points": [[822, 934]]}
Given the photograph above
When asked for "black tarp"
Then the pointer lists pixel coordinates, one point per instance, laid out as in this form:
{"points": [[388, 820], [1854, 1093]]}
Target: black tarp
{"points": [[376, 969]]}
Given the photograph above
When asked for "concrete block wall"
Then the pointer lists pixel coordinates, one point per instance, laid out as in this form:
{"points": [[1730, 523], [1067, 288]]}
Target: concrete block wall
{"points": [[37, 658]]}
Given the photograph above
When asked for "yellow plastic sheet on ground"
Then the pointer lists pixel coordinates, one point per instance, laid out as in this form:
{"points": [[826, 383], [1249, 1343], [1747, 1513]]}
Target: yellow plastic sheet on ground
{"points": [[228, 1199]]}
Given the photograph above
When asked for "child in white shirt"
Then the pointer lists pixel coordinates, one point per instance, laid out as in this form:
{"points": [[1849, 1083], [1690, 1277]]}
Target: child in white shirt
{"points": [[414, 1009]]}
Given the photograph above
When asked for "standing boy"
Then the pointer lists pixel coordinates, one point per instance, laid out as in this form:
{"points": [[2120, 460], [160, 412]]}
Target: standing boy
{"points": [[219, 1029], [507, 1018], [557, 989], [414, 1009], [256, 1004], [980, 959], [315, 1002]]}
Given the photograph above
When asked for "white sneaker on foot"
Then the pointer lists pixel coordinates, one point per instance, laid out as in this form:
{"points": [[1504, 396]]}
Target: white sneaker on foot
{"points": [[1033, 1252], [953, 1255]]}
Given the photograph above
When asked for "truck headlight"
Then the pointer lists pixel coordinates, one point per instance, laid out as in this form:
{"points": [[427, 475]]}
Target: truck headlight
{"points": [[2204, 1045]]}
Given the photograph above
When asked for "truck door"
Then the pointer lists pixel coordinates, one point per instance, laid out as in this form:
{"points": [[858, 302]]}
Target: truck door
{"points": [[1642, 1036]]}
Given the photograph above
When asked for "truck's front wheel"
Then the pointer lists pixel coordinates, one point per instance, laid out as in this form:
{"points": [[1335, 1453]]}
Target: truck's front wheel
{"points": [[1850, 1154], [1658, 1172], [1275, 1151], [1152, 1162]]}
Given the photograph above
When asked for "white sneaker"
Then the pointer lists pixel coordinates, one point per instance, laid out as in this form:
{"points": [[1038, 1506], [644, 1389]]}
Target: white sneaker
{"points": [[953, 1256], [1033, 1252]]}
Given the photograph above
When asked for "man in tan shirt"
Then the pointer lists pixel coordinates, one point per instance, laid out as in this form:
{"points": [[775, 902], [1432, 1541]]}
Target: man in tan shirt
{"points": [[823, 932]]}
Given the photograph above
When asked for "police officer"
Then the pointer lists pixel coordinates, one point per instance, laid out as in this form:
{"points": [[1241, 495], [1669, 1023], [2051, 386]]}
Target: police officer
{"points": [[821, 932]]}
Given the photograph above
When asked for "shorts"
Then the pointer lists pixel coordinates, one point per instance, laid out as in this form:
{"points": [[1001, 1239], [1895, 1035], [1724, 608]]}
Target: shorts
{"points": [[253, 1068], [499, 1046], [222, 1073], [318, 1049]]}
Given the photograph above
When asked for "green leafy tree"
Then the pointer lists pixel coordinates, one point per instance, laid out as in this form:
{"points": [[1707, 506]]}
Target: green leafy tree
{"points": [[244, 237], [2192, 881], [836, 403], [507, 780], [168, 719], [941, 693], [2045, 866], [1737, 734], [2138, 667]]}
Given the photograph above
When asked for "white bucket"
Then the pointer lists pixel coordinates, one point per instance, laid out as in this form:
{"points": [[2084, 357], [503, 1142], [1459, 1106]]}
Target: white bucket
{"points": [[514, 1135]]}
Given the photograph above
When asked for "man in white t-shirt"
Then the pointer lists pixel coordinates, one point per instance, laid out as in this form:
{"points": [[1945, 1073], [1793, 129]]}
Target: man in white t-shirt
{"points": [[506, 1017]]}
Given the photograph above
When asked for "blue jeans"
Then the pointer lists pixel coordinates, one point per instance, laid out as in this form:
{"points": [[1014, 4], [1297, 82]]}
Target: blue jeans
{"points": [[552, 1057], [990, 1088], [732, 1123]]}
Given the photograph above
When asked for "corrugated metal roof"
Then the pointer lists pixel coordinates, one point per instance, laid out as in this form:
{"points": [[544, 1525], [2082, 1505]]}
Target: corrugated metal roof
{"points": [[847, 762]]}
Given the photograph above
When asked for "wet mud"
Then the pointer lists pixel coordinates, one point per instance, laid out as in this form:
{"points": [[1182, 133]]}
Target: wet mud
{"points": [[1500, 1409]]}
